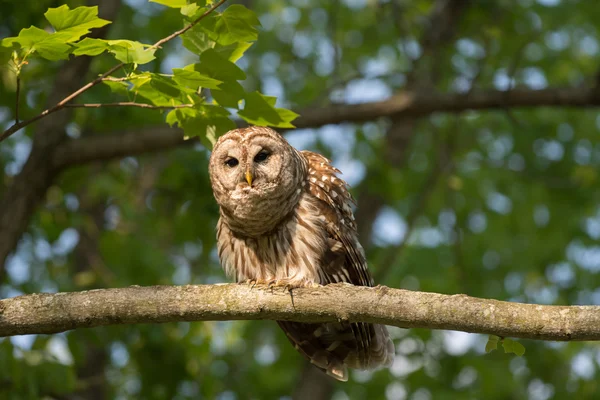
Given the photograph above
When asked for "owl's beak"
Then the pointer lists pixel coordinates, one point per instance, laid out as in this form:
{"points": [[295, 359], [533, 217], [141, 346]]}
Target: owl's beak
{"points": [[249, 177]]}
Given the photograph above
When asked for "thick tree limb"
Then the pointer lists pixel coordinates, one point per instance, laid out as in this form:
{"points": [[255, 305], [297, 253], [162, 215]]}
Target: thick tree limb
{"points": [[119, 144], [52, 313], [421, 103], [409, 104]]}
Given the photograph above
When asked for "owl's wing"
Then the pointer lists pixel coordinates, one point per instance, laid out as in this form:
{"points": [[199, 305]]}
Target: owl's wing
{"points": [[345, 262], [335, 346]]}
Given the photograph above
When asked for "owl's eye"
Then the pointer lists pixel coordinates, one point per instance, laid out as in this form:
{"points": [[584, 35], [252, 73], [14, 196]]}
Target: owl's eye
{"points": [[262, 156], [232, 162]]}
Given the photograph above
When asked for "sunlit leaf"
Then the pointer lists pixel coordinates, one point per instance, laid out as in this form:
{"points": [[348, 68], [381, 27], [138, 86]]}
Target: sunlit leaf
{"points": [[129, 51], [118, 87], [236, 24], [171, 3], [233, 52], [37, 40], [197, 40], [70, 24], [91, 47], [190, 10], [259, 110], [511, 346], [194, 79], [492, 343]]}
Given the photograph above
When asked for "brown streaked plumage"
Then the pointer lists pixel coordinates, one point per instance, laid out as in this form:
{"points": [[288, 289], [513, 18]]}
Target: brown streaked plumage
{"points": [[286, 218]]}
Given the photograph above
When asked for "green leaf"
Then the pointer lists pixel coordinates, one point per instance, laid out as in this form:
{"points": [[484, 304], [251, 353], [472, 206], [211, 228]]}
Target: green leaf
{"points": [[271, 100], [129, 51], [45, 44], [118, 87], [180, 115], [233, 52], [171, 3], [165, 85], [236, 24], [71, 25], [90, 47], [229, 94], [194, 79], [492, 343], [190, 10], [142, 87], [216, 66], [510, 346], [287, 116], [197, 40], [259, 110], [207, 122], [162, 90]]}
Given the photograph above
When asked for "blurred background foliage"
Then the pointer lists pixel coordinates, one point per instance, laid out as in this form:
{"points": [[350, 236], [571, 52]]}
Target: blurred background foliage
{"points": [[499, 204]]}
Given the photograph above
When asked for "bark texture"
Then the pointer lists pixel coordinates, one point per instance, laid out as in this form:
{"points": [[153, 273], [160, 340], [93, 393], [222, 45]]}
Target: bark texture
{"points": [[52, 313]]}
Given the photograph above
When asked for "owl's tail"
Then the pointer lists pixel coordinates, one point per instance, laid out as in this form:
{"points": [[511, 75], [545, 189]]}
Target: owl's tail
{"points": [[335, 347]]}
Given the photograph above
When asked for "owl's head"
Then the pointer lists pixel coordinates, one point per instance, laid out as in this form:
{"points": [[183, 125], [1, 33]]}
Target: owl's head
{"points": [[256, 176]]}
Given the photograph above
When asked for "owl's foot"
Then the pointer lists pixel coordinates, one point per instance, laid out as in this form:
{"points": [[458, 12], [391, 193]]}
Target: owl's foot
{"points": [[253, 282], [289, 284]]}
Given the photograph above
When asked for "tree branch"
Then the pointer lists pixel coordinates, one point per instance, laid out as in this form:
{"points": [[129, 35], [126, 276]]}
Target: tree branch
{"points": [[52, 313], [411, 104], [420, 103], [119, 144], [128, 104]]}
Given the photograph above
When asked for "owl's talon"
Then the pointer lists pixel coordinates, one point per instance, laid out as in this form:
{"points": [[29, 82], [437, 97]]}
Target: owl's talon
{"points": [[251, 282]]}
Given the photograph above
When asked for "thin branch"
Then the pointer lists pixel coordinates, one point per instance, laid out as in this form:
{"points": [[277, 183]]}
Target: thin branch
{"points": [[52, 313], [59, 106], [113, 79], [62, 104], [128, 104]]}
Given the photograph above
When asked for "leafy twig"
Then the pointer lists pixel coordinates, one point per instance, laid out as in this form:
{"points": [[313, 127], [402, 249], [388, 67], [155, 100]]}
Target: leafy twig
{"points": [[60, 105], [63, 103]]}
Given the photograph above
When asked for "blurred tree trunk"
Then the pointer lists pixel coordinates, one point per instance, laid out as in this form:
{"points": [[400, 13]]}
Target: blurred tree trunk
{"points": [[28, 188]]}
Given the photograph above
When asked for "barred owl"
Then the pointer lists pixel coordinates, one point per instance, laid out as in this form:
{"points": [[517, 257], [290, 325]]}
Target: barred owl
{"points": [[285, 219]]}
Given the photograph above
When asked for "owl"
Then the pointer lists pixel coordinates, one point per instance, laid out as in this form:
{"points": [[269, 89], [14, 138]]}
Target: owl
{"points": [[285, 220]]}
